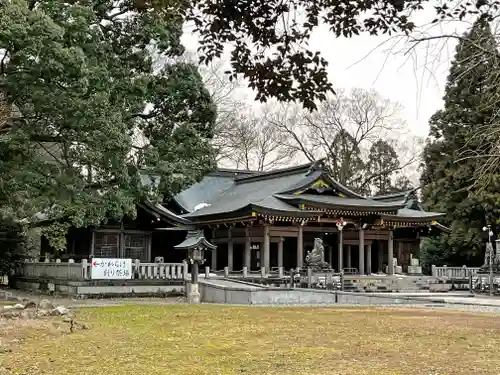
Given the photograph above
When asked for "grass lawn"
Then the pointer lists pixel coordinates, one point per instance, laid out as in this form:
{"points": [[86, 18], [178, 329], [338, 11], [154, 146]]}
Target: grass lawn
{"points": [[212, 339]]}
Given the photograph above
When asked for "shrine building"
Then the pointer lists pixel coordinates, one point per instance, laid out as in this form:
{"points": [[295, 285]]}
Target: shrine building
{"points": [[270, 219], [267, 219]]}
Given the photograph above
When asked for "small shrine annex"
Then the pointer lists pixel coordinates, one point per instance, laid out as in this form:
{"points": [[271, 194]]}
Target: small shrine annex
{"points": [[270, 219]]}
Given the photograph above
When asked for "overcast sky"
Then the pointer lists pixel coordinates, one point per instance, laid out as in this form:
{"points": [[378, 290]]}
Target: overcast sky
{"points": [[415, 79]]}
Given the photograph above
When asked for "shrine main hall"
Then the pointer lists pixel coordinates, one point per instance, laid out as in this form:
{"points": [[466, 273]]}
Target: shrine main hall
{"points": [[270, 219]]}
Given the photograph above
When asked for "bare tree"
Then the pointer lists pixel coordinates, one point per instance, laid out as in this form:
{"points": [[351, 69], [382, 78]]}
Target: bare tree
{"points": [[342, 131], [243, 138], [254, 143]]}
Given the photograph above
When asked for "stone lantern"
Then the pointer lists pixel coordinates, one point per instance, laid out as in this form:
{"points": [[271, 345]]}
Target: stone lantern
{"points": [[195, 244]]}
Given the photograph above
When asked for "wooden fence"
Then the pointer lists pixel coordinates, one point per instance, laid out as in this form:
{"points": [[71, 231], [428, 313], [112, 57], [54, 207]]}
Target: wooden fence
{"points": [[72, 270]]}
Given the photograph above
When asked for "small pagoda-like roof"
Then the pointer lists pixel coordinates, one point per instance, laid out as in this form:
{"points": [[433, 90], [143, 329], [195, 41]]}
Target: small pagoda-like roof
{"points": [[194, 239]]}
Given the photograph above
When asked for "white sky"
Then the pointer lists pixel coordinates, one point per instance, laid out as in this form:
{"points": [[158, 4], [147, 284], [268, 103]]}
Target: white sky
{"points": [[416, 79]]}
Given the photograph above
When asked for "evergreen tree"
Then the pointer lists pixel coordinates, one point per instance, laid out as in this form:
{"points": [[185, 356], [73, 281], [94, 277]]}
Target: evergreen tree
{"points": [[79, 84], [448, 177], [382, 164], [345, 162]]}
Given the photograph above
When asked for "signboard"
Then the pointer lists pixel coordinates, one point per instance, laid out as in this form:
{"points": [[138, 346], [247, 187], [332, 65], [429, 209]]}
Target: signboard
{"points": [[111, 269]]}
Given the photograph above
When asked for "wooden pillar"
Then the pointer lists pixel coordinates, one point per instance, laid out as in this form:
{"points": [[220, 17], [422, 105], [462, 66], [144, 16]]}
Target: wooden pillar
{"points": [[390, 254], [361, 252], [267, 249], [381, 246], [280, 252], [300, 247], [399, 254], [229, 250], [341, 251], [349, 264], [248, 250], [369, 259], [213, 263], [230, 254]]}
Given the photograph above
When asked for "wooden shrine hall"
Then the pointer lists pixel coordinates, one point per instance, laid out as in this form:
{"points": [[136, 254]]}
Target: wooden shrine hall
{"points": [[270, 219]]}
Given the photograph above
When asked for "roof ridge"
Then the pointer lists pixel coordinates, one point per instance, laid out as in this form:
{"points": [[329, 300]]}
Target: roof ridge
{"points": [[403, 193], [274, 173], [237, 170]]}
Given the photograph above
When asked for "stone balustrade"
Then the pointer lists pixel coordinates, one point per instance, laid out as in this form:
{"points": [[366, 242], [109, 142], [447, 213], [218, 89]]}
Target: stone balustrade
{"points": [[454, 272], [72, 270]]}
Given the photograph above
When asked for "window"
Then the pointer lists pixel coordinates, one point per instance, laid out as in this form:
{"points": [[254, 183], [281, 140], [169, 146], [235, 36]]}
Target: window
{"points": [[136, 246], [106, 245], [118, 245]]}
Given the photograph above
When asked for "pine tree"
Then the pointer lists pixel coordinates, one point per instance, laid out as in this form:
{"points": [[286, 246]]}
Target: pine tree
{"points": [[448, 177], [382, 165]]}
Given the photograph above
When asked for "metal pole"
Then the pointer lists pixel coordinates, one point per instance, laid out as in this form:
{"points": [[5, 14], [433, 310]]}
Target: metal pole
{"points": [[491, 261]]}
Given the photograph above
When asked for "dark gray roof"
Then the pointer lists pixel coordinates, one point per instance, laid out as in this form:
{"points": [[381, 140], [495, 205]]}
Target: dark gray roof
{"points": [[209, 188], [344, 203], [163, 213], [392, 197], [255, 191], [409, 214], [194, 239], [271, 192]]}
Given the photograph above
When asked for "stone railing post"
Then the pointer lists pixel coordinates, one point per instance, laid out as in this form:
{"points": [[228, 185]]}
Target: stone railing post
{"points": [[245, 272], [85, 269], [136, 269], [226, 272], [329, 281], [292, 276], [464, 271], [69, 274], [445, 271], [184, 270], [281, 272], [309, 277], [207, 272], [263, 272], [433, 271]]}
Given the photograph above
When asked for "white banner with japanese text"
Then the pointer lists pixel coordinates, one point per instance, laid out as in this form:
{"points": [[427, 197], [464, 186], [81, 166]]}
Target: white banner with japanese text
{"points": [[111, 268]]}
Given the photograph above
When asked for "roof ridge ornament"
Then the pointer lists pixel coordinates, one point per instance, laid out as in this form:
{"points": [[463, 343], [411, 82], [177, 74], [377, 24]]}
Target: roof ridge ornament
{"points": [[318, 165]]}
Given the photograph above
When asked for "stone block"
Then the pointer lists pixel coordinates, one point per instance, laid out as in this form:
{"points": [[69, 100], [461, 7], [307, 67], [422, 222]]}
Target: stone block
{"points": [[439, 287], [414, 270]]}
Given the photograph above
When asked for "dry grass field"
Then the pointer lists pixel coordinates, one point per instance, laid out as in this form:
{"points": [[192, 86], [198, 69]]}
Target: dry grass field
{"points": [[211, 339]]}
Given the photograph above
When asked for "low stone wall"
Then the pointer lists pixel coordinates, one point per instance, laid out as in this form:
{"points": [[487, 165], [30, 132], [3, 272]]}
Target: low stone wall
{"points": [[100, 288], [388, 283], [298, 296]]}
